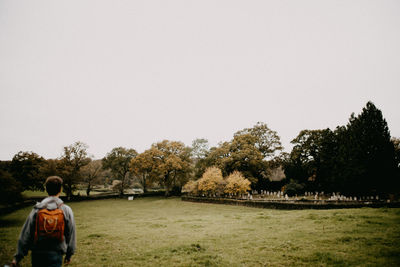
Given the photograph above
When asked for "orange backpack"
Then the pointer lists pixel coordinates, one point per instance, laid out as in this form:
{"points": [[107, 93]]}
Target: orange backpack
{"points": [[49, 225]]}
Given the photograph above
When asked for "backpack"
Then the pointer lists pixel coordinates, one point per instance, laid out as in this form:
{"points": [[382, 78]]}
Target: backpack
{"points": [[49, 225]]}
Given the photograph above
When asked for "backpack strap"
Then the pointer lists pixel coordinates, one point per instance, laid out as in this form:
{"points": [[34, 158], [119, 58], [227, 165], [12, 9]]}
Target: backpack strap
{"points": [[36, 228]]}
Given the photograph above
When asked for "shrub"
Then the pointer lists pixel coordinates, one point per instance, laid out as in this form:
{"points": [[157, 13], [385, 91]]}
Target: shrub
{"points": [[236, 184], [176, 191], [293, 188], [191, 187], [211, 182], [117, 185]]}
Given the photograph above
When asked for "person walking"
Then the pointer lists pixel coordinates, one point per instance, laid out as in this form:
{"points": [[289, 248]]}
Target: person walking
{"points": [[49, 231]]}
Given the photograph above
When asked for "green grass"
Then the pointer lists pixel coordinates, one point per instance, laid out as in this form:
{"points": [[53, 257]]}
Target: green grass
{"points": [[169, 232]]}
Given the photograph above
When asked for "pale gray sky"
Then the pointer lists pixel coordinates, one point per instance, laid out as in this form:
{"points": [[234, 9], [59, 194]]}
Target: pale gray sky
{"points": [[131, 73]]}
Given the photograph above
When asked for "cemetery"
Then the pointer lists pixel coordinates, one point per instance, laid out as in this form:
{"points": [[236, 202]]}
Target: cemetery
{"points": [[310, 200]]}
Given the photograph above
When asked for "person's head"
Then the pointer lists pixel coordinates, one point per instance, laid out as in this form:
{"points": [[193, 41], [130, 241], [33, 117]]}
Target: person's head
{"points": [[53, 185]]}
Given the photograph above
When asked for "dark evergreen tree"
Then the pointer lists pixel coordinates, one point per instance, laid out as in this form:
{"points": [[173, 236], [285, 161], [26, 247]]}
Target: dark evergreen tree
{"points": [[310, 162], [396, 144], [367, 155], [359, 158]]}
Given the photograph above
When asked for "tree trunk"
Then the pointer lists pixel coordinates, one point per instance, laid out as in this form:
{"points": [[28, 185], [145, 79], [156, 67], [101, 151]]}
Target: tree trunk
{"points": [[167, 191], [166, 184], [121, 192], [144, 183], [88, 189], [68, 190]]}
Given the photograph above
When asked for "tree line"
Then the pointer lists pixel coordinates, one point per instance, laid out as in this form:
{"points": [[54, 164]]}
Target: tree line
{"points": [[358, 158]]}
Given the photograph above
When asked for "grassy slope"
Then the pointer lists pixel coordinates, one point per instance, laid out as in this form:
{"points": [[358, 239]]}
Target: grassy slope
{"points": [[156, 231]]}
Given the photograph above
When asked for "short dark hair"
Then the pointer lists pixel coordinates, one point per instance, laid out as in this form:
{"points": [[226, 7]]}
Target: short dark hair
{"points": [[53, 185]]}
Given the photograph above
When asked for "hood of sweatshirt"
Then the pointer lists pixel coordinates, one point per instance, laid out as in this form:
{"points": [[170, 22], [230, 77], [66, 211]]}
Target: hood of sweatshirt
{"points": [[50, 203]]}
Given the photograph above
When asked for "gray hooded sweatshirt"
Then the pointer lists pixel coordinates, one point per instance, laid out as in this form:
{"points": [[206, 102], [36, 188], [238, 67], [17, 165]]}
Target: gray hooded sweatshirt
{"points": [[26, 238]]}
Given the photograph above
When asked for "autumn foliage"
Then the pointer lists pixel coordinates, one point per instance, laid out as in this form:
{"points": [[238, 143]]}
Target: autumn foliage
{"points": [[213, 183], [191, 187], [236, 184]]}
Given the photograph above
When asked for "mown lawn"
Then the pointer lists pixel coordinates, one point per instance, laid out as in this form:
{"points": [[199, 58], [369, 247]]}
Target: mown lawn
{"points": [[169, 232]]}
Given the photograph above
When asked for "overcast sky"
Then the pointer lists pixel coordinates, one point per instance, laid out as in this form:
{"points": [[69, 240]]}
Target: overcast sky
{"points": [[131, 73]]}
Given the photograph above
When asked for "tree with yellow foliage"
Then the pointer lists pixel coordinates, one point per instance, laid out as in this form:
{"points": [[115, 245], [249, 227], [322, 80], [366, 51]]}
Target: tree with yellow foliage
{"points": [[191, 187], [236, 184], [144, 168], [249, 152], [211, 182], [167, 163]]}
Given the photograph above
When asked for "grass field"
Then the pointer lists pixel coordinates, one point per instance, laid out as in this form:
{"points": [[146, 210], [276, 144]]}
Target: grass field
{"points": [[29, 193], [169, 232]]}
